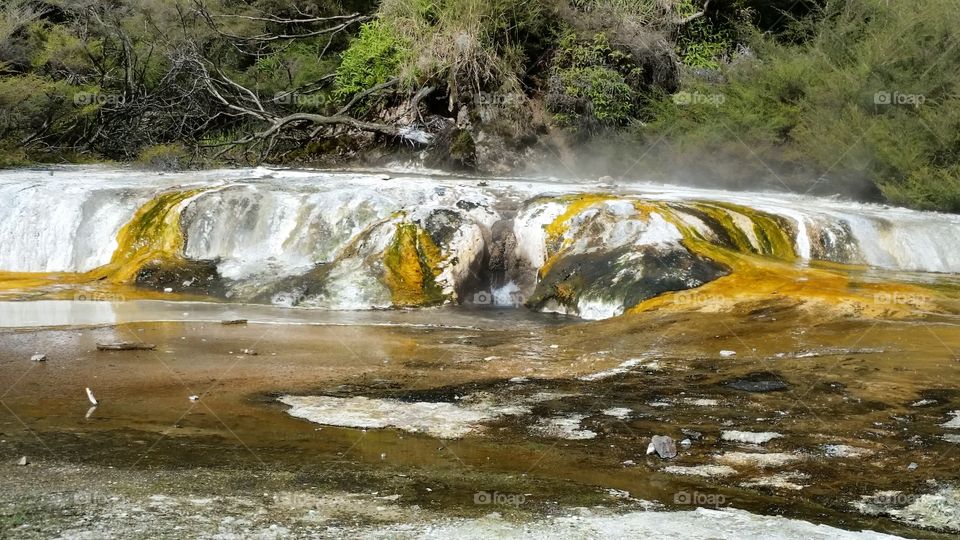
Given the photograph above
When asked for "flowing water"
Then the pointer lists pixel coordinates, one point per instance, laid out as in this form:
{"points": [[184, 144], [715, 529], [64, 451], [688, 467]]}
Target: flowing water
{"points": [[452, 340]]}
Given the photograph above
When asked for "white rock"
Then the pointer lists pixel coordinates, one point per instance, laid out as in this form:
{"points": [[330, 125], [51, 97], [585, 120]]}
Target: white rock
{"points": [[940, 510], [444, 420], [618, 412], [748, 459], [624, 367], [778, 481], [728, 354], [563, 427], [38, 358], [699, 524], [706, 471], [845, 451], [749, 437], [663, 446]]}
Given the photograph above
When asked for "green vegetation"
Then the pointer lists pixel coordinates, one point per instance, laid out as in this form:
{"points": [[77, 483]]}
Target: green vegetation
{"points": [[164, 157], [375, 57], [704, 42], [857, 97], [869, 101], [588, 86]]}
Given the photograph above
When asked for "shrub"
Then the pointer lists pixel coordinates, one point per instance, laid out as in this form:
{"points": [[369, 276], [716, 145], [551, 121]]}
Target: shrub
{"points": [[588, 86], [164, 157], [854, 109], [373, 58], [466, 45], [704, 42]]}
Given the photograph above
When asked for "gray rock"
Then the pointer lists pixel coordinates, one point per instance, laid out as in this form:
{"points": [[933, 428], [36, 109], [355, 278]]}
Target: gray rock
{"points": [[663, 446], [760, 382], [38, 358], [23, 461]]}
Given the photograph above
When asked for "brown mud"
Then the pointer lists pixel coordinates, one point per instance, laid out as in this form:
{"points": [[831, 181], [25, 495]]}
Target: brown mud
{"points": [[883, 386]]}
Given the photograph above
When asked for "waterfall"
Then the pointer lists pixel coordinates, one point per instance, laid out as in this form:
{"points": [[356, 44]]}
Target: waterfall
{"points": [[357, 240]]}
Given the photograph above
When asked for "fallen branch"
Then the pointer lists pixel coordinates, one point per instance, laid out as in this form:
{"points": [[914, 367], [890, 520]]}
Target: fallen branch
{"points": [[125, 346]]}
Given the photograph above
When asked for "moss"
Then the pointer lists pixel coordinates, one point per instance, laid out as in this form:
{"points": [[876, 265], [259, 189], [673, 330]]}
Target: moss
{"points": [[412, 263]]}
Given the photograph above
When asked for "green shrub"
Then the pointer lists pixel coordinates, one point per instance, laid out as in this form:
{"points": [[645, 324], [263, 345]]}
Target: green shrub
{"points": [[854, 109], [704, 42], [164, 157], [373, 58], [31, 106], [467, 46], [588, 85]]}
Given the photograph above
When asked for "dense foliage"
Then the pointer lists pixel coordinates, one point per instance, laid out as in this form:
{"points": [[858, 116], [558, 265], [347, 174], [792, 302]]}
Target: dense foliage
{"points": [[857, 96]]}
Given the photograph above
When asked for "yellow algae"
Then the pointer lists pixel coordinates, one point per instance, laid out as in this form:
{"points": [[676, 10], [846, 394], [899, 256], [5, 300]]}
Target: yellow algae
{"points": [[645, 208], [760, 278], [559, 226], [575, 205], [757, 280], [412, 263], [770, 231], [153, 234]]}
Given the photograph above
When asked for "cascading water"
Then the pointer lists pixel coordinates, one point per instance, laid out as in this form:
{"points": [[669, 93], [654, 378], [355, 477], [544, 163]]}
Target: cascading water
{"points": [[352, 240]]}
